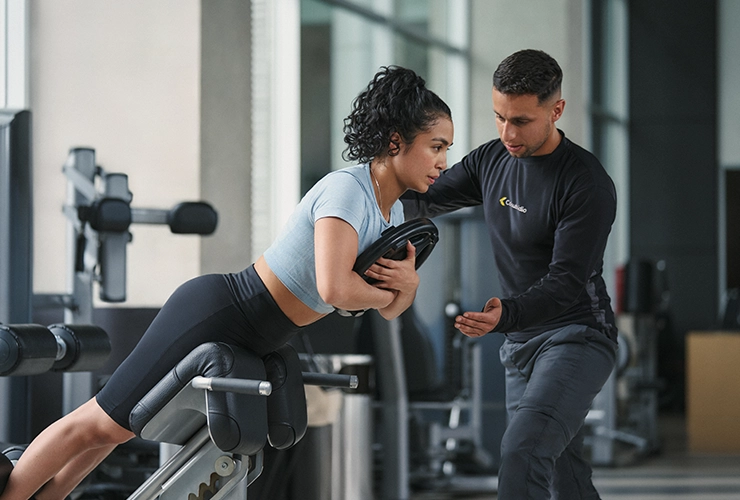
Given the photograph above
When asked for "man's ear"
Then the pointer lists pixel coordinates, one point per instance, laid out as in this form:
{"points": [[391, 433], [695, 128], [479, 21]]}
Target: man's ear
{"points": [[557, 109]]}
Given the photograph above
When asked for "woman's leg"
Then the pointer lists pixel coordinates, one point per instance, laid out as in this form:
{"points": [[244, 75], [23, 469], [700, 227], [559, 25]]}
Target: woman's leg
{"points": [[70, 445], [73, 473]]}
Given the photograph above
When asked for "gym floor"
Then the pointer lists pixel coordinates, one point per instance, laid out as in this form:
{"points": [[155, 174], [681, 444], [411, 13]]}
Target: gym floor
{"points": [[674, 474]]}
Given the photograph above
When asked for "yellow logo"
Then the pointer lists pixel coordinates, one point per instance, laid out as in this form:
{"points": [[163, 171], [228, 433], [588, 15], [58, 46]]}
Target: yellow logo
{"points": [[506, 202]]}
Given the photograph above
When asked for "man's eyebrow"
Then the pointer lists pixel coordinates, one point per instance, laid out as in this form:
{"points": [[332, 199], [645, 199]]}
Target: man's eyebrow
{"points": [[512, 118]]}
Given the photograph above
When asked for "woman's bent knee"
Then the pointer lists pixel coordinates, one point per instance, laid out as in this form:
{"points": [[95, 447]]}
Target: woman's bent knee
{"points": [[96, 427]]}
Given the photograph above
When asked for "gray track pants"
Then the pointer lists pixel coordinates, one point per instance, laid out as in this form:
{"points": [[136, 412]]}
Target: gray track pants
{"points": [[551, 381]]}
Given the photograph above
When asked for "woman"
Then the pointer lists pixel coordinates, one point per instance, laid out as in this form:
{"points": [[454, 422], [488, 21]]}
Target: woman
{"points": [[399, 133]]}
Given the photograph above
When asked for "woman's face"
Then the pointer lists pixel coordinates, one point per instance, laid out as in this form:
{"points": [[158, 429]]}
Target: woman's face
{"points": [[422, 161]]}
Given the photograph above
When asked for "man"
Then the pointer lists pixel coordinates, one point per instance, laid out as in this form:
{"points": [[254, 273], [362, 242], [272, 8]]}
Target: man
{"points": [[549, 206]]}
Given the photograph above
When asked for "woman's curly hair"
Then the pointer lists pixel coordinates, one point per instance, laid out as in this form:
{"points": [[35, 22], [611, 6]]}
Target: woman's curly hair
{"points": [[396, 100]]}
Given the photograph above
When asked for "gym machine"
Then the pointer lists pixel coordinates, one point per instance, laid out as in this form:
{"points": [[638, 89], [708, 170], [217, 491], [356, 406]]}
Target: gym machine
{"points": [[222, 405], [29, 349], [16, 250], [99, 213], [623, 421]]}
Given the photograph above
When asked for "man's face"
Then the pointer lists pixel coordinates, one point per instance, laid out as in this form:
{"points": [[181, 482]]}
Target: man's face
{"points": [[526, 127]]}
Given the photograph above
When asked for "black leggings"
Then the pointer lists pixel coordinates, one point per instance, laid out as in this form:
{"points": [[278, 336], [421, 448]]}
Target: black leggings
{"points": [[232, 308]]}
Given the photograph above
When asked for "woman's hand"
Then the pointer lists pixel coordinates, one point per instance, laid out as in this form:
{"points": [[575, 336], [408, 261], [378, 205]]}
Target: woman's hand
{"points": [[477, 324], [398, 276]]}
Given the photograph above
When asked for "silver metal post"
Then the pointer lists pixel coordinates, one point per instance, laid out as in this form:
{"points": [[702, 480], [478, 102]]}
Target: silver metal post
{"points": [[392, 382]]}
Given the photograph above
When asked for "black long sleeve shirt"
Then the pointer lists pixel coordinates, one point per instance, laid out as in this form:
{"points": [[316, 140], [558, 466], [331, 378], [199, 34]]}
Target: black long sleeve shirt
{"points": [[548, 219]]}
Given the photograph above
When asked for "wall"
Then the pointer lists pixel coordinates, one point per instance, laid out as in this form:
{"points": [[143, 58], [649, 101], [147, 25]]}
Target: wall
{"points": [[226, 132], [673, 161], [124, 79], [729, 146], [501, 27], [728, 14]]}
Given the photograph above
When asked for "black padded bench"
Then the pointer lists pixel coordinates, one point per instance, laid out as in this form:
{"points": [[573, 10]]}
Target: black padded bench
{"points": [[223, 404]]}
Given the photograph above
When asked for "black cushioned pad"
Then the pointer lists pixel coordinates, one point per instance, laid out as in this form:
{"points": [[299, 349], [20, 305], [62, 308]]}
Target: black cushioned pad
{"points": [[237, 423], [6, 467]]}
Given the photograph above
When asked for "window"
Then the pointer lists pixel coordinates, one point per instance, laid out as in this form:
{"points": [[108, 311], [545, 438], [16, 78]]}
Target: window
{"points": [[343, 43]]}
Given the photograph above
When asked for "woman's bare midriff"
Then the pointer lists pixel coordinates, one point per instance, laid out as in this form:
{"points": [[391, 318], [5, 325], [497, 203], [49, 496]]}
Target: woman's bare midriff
{"points": [[298, 312]]}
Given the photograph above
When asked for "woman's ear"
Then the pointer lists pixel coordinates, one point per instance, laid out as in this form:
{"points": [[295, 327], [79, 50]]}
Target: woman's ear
{"points": [[395, 144]]}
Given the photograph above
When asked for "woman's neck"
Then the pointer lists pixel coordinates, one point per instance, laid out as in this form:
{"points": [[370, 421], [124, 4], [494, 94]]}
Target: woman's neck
{"points": [[385, 186]]}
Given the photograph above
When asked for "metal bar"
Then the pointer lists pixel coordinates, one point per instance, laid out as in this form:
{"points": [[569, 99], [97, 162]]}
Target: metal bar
{"points": [[392, 382], [53, 301], [152, 487], [330, 380], [81, 183], [241, 386], [149, 216]]}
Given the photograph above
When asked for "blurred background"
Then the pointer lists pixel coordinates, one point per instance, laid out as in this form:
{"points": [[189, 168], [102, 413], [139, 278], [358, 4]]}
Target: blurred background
{"points": [[240, 103]]}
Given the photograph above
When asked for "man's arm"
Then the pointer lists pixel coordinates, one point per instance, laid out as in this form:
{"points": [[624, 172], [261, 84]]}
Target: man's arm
{"points": [[580, 239], [457, 187], [578, 252]]}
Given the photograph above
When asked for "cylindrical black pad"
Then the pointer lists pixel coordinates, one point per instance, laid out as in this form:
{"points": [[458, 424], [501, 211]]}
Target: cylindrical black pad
{"points": [[88, 347], [193, 217], [287, 417], [6, 467], [26, 349]]}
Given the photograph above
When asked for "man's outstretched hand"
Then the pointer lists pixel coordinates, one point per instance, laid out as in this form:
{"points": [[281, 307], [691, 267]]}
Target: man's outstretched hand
{"points": [[477, 324]]}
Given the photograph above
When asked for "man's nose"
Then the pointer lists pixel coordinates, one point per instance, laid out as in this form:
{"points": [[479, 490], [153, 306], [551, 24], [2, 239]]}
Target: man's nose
{"points": [[508, 133]]}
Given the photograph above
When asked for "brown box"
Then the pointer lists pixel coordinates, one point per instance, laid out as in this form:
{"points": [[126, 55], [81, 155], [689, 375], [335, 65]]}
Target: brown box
{"points": [[713, 391]]}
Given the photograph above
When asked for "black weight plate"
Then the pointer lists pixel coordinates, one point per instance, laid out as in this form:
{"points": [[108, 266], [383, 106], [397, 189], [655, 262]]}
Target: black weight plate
{"points": [[422, 233]]}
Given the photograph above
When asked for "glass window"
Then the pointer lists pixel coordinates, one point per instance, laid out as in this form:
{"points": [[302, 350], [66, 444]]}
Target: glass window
{"points": [[609, 117], [14, 54], [343, 43]]}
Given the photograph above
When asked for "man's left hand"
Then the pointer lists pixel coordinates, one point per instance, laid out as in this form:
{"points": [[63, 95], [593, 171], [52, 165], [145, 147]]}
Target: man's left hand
{"points": [[477, 324]]}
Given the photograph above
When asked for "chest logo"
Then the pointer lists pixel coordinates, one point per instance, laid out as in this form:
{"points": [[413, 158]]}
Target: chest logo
{"points": [[506, 202]]}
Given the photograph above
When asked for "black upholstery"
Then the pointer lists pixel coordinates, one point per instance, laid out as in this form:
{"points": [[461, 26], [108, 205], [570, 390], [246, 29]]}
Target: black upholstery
{"points": [[26, 349], [424, 381], [286, 406], [237, 423], [5, 468]]}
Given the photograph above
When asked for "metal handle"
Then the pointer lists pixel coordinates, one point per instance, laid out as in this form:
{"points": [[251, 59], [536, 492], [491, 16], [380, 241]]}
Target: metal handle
{"points": [[331, 380], [241, 386]]}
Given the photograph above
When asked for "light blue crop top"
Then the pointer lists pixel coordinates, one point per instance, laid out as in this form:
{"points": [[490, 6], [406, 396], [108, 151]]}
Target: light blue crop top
{"points": [[346, 194]]}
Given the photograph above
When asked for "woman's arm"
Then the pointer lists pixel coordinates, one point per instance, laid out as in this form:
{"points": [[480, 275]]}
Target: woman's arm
{"points": [[399, 276], [335, 246]]}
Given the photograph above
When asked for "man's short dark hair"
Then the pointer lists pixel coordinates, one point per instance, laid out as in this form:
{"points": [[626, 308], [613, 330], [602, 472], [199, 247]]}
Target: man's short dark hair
{"points": [[528, 72]]}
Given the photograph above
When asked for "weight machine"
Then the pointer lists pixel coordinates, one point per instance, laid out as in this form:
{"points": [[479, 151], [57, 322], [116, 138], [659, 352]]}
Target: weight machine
{"points": [[221, 404], [99, 213]]}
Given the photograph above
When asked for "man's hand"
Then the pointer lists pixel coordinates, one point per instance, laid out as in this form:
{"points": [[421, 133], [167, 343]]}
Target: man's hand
{"points": [[477, 324]]}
